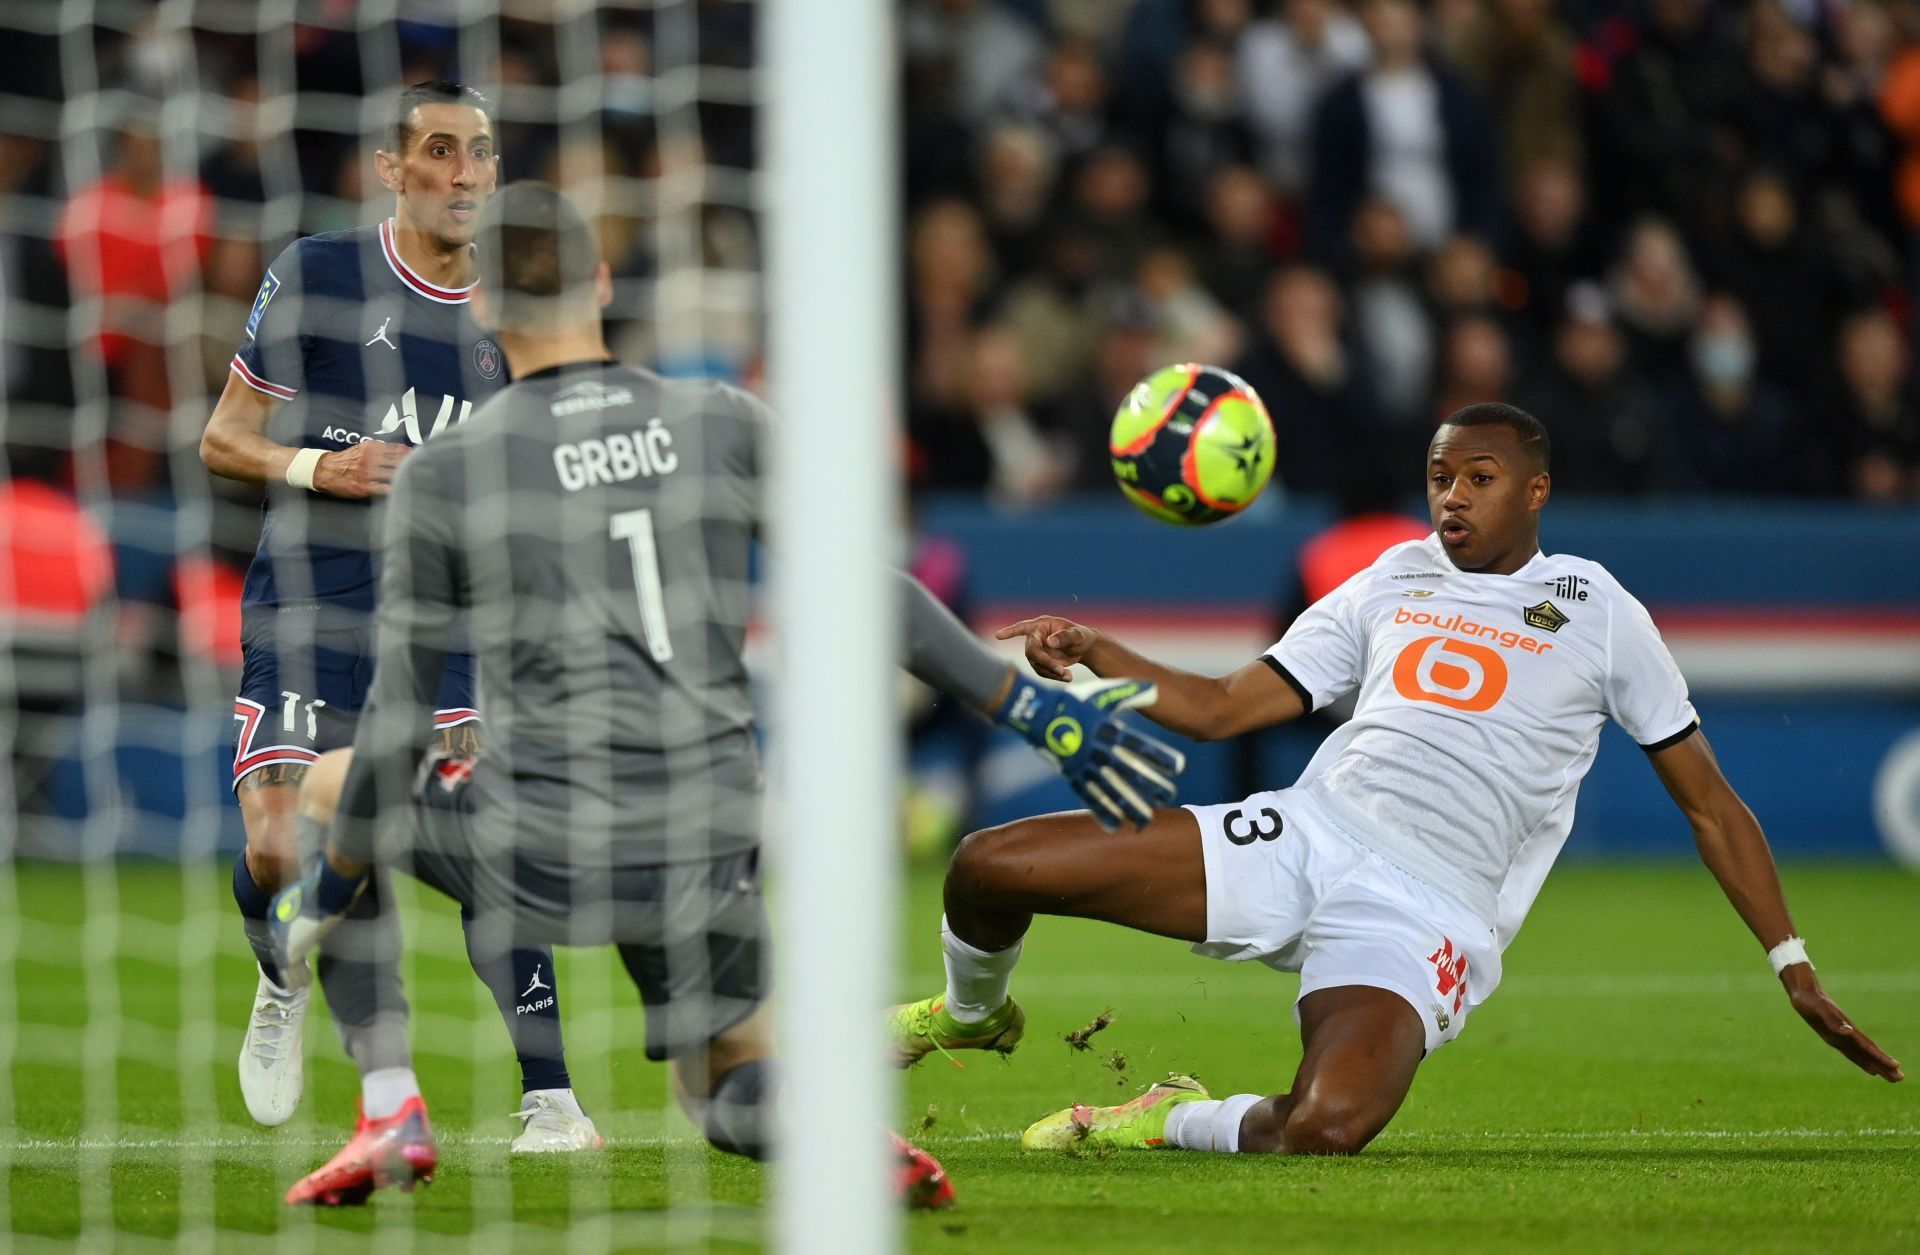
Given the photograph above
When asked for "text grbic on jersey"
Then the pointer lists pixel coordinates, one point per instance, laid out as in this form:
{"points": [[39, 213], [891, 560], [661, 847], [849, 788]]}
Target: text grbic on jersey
{"points": [[613, 457]]}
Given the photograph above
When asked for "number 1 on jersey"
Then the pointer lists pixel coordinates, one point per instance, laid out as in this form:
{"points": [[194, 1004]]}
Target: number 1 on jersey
{"points": [[636, 528]]}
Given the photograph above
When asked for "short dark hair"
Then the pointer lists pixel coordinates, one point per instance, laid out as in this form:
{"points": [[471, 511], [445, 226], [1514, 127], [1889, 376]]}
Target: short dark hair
{"points": [[437, 91], [1530, 430], [537, 256]]}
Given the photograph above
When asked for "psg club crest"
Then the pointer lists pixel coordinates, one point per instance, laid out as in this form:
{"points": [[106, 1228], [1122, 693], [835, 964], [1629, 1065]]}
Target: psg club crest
{"points": [[486, 359]]}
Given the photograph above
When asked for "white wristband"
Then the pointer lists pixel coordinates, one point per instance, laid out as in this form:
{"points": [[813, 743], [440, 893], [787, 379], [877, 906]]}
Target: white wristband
{"points": [[1787, 953], [300, 470]]}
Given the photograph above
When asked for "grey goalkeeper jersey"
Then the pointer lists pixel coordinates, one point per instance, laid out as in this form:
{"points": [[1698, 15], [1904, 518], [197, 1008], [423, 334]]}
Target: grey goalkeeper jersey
{"points": [[585, 535]]}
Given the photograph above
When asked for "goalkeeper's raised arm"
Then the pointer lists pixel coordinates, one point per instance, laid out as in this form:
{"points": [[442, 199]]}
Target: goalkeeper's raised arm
{"points": [[1206, 708], [1122, 773]]}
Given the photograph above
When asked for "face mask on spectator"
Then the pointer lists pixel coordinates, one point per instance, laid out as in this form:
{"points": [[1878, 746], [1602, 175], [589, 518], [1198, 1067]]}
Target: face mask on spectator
{"points": [[1723, 359]]}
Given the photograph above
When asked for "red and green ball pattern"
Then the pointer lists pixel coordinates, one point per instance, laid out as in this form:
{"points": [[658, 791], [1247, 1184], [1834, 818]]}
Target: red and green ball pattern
{"points": [[1192, 444]]}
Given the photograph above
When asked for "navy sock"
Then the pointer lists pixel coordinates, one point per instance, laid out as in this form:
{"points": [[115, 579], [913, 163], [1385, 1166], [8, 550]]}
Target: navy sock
{"points": [[524, 987], [253, 902], [737, 1112]]}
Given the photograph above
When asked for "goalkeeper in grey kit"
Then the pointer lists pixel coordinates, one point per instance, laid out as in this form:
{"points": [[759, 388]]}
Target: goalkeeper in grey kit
{"points": [[586, 537]]}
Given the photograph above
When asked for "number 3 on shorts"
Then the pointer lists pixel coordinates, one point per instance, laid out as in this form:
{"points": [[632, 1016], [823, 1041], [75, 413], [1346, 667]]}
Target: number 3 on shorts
{"points": [[1264, 825]]}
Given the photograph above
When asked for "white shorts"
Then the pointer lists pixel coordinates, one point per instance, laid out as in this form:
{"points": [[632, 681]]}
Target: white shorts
{"points": [[1288, 888]]}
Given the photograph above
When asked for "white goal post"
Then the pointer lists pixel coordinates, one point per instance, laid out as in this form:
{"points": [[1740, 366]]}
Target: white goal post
{"points": [[832, 361]]}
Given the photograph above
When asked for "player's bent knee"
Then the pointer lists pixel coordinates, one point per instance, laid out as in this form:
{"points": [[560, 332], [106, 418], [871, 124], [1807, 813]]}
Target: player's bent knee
{"points": [[1320, 1128], [980, 867], [733, 1107], [320, 791], [273, 868], [273, 850]]}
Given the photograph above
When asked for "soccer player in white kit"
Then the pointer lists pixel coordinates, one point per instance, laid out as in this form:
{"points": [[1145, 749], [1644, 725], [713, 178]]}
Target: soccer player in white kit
{"points": [[1395, 871]]}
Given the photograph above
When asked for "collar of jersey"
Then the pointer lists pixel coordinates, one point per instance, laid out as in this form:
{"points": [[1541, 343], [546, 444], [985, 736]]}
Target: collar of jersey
{"points": [[1438, 552], [391, 248]]}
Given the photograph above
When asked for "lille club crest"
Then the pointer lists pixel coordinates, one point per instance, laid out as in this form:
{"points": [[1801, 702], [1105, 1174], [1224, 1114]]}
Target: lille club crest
{"points": [[1546, 616], [486, 359]]}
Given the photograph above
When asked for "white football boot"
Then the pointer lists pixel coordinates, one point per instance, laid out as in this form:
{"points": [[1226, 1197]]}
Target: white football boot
{"points": [[271, 1069], [554, 1121]]}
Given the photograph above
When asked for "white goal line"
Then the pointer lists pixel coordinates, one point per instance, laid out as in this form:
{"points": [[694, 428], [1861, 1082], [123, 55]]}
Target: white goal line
{"points": [[1554, 985], [164, 1145]]}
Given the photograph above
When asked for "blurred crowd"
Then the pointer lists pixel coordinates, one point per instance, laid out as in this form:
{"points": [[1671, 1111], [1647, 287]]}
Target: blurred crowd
{"points": [[1681, 232], [131, 250], [1685, 233]]}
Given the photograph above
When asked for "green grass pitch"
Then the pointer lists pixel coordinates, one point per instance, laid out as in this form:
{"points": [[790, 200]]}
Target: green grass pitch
{"points": [[1638, 1083]]}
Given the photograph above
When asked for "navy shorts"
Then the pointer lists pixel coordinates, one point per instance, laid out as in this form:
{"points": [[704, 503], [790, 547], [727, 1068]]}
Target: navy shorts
{"points": [[300, 699]]}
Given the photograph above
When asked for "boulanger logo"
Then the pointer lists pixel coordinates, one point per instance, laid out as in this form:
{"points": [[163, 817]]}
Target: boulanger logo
{"points": [[1447, 672], [1443, 622]]}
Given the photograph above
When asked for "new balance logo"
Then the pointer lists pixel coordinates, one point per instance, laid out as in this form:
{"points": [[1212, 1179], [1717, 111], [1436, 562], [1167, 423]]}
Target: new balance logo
{"points": [[380, 337]]}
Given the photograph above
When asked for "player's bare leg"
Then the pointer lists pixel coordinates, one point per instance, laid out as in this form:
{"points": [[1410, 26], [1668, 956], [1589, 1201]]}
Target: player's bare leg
{"points": [[271, 1065], [726, 1086], [1361, 1045], [1151, 878], [1361, 1048]]}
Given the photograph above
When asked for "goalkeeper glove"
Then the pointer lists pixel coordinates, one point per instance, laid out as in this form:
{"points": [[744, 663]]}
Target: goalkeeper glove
{"points": [[1119, 771], [304, 912]]}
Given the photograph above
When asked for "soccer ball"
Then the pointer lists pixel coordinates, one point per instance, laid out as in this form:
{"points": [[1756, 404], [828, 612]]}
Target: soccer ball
{"points": [[1192, 444]]}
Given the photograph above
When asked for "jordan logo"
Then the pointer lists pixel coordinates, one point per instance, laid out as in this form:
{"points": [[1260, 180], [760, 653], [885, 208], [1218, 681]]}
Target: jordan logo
{"points": [[536, 983], [380, 337]]}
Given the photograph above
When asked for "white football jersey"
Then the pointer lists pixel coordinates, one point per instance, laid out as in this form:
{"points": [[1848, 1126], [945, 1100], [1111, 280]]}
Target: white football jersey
{"points": [[1481, 702]]}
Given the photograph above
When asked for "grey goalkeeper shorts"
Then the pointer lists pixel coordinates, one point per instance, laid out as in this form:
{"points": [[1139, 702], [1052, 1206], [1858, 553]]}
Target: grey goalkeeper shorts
{"points": [[693, 935]]}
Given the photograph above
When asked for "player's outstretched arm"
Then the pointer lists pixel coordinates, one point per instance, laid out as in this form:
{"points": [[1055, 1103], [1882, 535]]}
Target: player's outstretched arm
{"points": [[1205, 708], [1121, 772], [235, 446], [1735, 850]]}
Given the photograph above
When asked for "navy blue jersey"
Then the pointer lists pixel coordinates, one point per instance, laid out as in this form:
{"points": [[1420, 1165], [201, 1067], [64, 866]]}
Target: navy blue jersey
{"points": [[359, 346]]}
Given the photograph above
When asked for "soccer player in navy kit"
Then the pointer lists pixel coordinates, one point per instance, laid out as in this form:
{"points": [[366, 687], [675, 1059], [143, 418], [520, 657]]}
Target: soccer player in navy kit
{"points": [[359, 347]]}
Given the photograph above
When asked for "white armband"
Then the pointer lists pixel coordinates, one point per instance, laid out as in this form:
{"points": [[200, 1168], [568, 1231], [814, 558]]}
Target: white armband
{"points": [[1787, 953], [300, 470]]}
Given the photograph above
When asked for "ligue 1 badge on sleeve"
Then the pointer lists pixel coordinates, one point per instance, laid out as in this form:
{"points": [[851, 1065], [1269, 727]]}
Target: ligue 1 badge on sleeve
{"points": [[486, 359], [268, 286]]}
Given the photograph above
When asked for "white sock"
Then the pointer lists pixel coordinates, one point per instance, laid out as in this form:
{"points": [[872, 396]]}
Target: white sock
{"points": [[285, 993], [1209, 1125], [562, 1098], [384, 1091], [976, 979]]}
